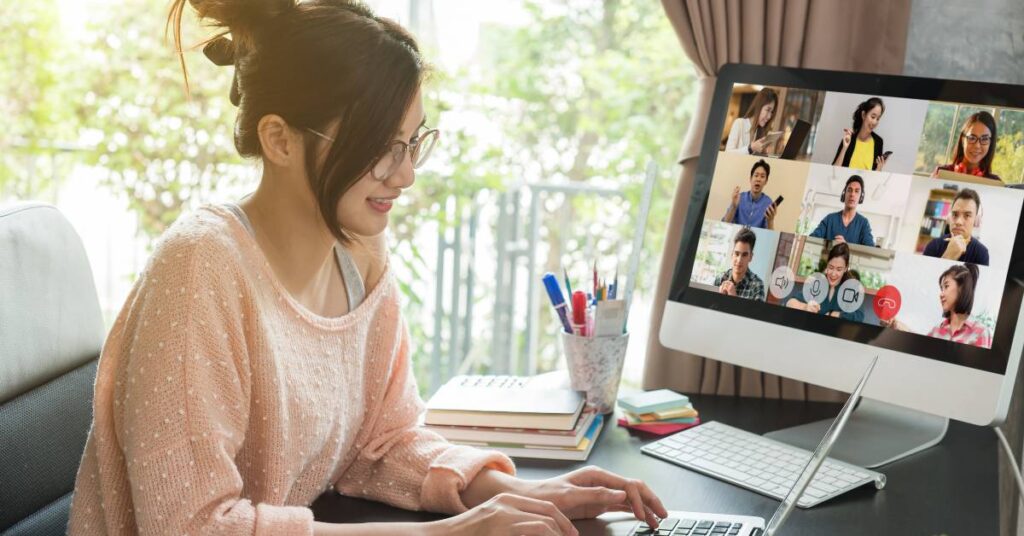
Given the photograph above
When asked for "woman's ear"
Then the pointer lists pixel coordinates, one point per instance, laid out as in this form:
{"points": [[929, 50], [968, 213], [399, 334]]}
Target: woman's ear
{"points": [[280, 143]]}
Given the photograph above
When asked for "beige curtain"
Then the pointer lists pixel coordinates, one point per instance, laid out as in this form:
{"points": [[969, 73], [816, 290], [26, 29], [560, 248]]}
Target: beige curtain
{"points": [[823, 34]]}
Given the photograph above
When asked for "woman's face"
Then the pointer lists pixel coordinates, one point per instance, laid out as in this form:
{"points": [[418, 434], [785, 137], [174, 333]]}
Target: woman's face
{"points": [[363, 209], [766, 114], [949, 291], [871, 118], [834, 271], [975, 152]]}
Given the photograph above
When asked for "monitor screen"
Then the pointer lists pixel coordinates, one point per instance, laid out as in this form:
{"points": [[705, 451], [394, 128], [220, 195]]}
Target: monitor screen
{"points": [[882, 217]]}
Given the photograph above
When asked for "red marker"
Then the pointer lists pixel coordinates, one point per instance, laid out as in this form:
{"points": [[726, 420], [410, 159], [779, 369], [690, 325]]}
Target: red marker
{"points": [[579, 313]]}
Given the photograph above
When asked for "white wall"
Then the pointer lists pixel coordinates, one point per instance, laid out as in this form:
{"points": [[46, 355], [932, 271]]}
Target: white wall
{"points": [[900, 128], [884, 197], [917, 278]]}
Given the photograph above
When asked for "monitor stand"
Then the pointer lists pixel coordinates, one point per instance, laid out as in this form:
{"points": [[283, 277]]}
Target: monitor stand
{"points": [[876, 434]]}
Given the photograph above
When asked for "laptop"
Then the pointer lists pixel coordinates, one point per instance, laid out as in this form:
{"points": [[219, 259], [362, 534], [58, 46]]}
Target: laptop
{"points": [[796, 140], [696, 524]]}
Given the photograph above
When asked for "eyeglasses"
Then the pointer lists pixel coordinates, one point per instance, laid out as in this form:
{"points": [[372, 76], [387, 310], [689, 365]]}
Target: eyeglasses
{"points": [[983, 140], [386, 166]]}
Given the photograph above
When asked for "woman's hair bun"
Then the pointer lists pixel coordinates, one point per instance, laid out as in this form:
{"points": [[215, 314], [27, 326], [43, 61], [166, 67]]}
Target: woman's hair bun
{"points": [[241, 18]]}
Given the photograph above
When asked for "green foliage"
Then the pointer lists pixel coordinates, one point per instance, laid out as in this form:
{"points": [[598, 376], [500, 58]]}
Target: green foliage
{"points": [[589, 92], [934, 149], [36, 86], [1009, 160], [165, 150]]}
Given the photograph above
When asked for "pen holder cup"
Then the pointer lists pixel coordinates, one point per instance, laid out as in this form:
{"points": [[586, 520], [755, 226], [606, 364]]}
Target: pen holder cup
{"points": [[595, 366]]}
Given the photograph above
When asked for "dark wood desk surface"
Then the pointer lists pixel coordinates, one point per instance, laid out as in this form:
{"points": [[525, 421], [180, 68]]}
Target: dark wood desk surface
{"points": [[948, 489]]}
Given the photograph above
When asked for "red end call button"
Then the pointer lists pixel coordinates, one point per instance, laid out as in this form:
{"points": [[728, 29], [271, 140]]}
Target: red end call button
{"points": [[887, 302]]}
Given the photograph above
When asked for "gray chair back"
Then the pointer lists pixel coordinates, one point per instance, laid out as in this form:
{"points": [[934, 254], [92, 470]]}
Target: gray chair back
{"points": [[51, 331]]}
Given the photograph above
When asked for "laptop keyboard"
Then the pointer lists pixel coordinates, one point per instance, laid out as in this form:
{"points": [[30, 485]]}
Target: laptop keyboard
{"points": [[758, 463], [688, 527]]}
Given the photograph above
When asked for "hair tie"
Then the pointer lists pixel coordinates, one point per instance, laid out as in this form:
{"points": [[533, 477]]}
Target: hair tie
{"points": [[221, 51]]}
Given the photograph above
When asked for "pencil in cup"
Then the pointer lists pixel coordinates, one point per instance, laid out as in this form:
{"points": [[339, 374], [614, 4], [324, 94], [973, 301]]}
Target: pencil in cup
{"points": [[595, 366]]}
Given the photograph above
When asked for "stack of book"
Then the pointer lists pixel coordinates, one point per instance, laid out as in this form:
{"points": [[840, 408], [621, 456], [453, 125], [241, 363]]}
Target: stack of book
{"points": [[660, 412], [508, 414]]}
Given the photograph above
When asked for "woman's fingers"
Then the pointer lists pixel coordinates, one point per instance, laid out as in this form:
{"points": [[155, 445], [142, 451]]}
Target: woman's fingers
{"points": [[652, 500], [636, 499], [541, 508], [595, 476]]}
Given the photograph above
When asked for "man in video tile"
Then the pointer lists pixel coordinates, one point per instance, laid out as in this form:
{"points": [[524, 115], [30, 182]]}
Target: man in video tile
{"points": [[846, 225], [753, 208], [739, 280], [958, 244]]}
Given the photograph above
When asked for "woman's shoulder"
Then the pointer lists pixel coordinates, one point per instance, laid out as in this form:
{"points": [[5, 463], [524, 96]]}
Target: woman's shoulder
{"points": [[195, 240]]}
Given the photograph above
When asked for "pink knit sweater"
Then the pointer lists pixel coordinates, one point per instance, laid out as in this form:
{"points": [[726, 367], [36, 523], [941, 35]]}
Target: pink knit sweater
{"points": [[223, 406]]}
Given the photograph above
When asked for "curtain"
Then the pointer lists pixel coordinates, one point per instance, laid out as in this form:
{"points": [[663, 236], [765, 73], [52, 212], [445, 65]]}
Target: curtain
{"points": [[823, 34]]}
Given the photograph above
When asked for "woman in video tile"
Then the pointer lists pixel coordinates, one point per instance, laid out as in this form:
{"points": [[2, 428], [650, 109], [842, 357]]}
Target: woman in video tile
{"points": [[956, 296], [750, 133], [860, 147], [975, 149], [837, 271]]}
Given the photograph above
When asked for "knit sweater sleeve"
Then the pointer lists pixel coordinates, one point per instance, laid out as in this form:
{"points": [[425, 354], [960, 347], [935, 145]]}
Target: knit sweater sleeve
{"points": [[181, 401], [403, 464]]}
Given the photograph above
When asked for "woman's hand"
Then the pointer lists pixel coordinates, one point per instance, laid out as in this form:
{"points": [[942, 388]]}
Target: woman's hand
{"points": [[880, 163], [847, 137], [507, 514], [592, 491]]}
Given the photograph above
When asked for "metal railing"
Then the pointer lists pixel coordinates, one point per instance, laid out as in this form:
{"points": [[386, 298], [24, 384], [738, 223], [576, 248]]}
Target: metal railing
{"points": [[518, 214]]}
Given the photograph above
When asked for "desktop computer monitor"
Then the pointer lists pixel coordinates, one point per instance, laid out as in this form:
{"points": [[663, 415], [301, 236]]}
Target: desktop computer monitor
{"points": [[889, 231]]}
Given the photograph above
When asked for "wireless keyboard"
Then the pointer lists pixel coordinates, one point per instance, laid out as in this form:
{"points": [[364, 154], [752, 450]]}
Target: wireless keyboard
{"points": [[758, 463]]}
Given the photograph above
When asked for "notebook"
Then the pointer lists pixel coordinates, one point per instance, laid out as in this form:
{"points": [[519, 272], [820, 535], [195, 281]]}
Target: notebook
{"points": [[504, 402], [530, 436]]}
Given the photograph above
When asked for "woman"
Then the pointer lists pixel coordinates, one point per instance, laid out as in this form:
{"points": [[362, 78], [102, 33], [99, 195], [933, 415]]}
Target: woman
{"points": [[837, 271], [749, 133], [860, 147], [262, 358], [956, 297], [975, 149]]}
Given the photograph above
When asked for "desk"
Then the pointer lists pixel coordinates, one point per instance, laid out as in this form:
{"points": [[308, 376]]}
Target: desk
{"points": [[948, 489]]}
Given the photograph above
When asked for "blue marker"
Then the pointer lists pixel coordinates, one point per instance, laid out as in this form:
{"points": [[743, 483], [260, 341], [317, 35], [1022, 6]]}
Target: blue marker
{"points": [[557, 300]]}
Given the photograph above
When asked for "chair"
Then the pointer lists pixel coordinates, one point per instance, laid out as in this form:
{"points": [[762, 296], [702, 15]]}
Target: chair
{"points": [[51, 331]]}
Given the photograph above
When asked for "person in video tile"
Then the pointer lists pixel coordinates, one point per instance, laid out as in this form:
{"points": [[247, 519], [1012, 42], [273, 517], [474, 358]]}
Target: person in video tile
{"points": [[975, 148], [739, 280], [956, 296], [749, 134], [860, 147], [837, 271], [846, 225], [753, 208], [958, 245]]}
